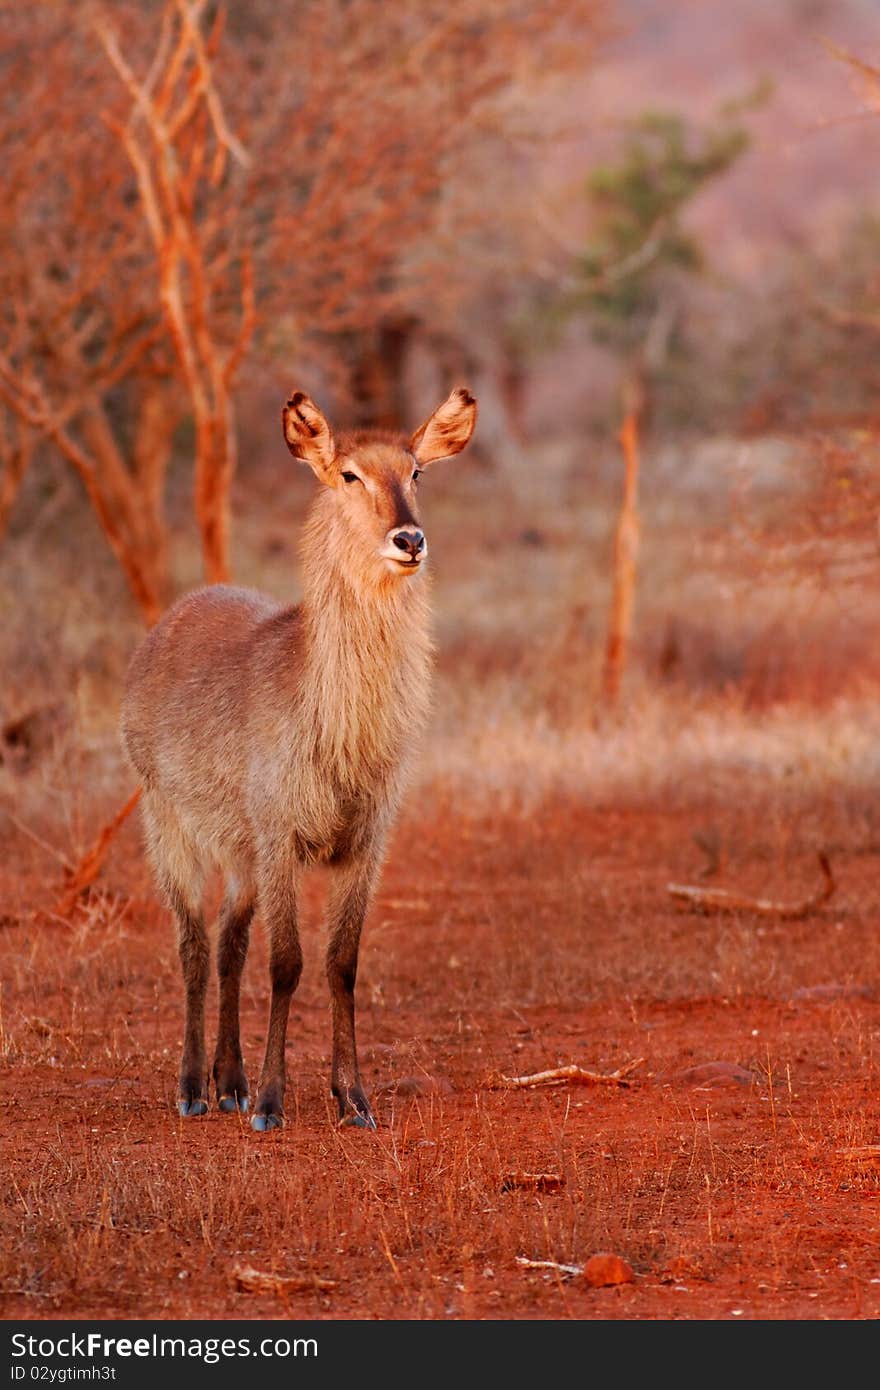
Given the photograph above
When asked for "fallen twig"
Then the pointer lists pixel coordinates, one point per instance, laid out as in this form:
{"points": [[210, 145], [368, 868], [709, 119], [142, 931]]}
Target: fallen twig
{"points": [[578, 1076], [258, 1281], [722, 900], [83, 874], [567, 1271], [861, 1153]]}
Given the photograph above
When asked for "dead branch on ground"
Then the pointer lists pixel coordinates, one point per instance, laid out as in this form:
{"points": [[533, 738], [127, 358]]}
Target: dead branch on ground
{"points": [[724, 900], [861, 1153], [567, 1271], [575, 1075], [252, 1280]]}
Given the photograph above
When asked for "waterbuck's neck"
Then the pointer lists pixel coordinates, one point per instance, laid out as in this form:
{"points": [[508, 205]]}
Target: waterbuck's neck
{"points": [[365, 681]]}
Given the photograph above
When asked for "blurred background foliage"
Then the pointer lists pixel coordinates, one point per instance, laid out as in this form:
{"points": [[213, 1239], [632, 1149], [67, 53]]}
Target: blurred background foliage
{"points": [[569, 207]]}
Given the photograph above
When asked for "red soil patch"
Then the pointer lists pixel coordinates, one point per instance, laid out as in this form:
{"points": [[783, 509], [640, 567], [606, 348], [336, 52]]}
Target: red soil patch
{"points": [[734, 1177]]}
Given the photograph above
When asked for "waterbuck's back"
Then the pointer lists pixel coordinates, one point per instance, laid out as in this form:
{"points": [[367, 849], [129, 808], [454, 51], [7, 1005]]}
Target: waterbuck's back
{"points": [[193, 693]]}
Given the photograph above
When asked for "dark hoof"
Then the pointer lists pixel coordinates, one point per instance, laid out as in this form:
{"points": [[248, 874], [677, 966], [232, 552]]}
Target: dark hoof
{"points": [[230, 1104], [189, 1108], [261, 1123], [354, 1109], [358, 1121]]}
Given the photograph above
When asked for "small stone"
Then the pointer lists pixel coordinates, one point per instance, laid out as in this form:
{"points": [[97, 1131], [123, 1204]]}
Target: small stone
{"points": [[603, 1270]]}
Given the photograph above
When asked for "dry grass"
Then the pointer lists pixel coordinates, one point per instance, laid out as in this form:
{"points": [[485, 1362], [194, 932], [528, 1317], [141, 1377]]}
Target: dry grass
{"points": [[522, 924], [719, 1195]]}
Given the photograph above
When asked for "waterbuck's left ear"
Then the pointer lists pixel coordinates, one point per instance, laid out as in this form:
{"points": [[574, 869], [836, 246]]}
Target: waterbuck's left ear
{"points": [[447, 431], [308, 435]]}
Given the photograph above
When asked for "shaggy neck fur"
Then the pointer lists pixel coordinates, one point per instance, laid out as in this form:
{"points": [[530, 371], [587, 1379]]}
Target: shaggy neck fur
{"points": [[365, 685]]}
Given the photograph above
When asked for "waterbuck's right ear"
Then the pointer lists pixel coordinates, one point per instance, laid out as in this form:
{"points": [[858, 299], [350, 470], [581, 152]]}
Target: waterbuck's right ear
{"points": [[309, 437]]}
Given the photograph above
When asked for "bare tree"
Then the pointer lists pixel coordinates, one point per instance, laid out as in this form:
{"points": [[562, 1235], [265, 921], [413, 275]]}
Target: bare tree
{"points": [[177, 191], [81, 359], [178, 141]]}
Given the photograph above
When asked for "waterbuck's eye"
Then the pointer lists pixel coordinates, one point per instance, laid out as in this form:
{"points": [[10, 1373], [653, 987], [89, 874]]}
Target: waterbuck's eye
{"points": [[351, 477], [417, 474]]}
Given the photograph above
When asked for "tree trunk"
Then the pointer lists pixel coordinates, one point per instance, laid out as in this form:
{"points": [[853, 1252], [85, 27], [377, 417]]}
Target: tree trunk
{"points": [[378, 359], [16, 451], [151, 452], [512, 380], [626, 549], [125, 514], [215, 468]]}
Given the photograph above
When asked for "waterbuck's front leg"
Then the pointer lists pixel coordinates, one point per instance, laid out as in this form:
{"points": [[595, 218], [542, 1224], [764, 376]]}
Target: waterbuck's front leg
{"points": [[347, 905], [232, 945], [278, 902]]}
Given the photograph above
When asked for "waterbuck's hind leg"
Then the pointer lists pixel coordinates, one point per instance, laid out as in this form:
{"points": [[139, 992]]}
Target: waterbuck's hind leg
{"points": [[346, 909], [181, 879], [278, 905], [233, 935], [192, 945]]}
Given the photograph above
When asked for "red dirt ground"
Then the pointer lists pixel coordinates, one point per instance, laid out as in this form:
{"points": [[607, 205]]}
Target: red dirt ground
{"points": [[494, 946]]}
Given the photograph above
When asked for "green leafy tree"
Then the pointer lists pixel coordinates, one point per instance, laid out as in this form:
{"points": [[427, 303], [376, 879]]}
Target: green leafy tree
{"points": [[628, 278]]}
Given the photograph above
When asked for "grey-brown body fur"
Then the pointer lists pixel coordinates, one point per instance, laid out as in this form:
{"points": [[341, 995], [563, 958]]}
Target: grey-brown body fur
{"points": [[237, 739], [269, 738]]}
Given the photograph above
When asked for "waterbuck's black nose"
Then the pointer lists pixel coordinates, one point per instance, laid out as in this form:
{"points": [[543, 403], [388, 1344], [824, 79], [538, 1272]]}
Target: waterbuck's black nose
{"points": [[410, 541]]}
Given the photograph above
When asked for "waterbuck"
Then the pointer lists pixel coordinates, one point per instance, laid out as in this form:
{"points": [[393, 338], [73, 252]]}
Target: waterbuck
{"points": [[268, 739]]}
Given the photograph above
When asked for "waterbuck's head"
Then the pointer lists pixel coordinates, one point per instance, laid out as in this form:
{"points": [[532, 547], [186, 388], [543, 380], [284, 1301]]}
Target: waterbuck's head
{"points": [[370, 508]]}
